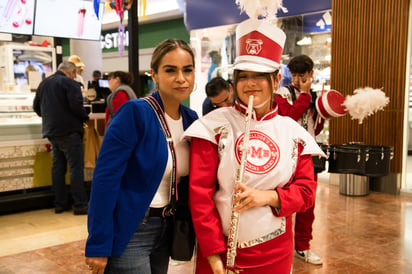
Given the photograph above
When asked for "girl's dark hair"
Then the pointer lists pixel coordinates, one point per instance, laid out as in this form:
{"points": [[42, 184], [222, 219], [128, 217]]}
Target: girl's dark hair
{"points": [[166, 46], [124, 76]]}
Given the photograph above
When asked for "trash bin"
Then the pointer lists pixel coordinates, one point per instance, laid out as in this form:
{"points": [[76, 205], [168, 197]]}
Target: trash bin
{"points": [[353, 185]]}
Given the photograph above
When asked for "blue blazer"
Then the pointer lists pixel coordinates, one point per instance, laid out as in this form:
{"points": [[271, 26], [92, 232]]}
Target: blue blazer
{"points": [[129, 169]]}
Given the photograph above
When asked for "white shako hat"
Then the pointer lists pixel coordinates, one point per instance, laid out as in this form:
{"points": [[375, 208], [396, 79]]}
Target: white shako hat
{"points": [[259, 46]]}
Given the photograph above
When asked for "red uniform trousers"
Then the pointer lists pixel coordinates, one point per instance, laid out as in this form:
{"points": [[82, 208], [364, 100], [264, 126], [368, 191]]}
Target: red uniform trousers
{"points": [[303, 227]]}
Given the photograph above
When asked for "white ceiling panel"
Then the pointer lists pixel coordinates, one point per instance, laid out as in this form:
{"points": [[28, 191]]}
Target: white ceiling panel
{"points": [[156, 10]]}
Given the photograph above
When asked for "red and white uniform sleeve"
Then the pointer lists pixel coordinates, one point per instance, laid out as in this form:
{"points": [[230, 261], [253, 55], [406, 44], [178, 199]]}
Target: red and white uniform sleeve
{"points": [[298, 108], [298, 195], [202, 187]]}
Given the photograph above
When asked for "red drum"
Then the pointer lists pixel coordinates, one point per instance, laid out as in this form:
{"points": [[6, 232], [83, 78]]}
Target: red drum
{"points": [[330, 104]]}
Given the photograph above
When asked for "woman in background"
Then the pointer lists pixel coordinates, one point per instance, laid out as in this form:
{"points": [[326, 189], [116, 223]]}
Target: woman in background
{"points": [[119, 85], [131, 181]]}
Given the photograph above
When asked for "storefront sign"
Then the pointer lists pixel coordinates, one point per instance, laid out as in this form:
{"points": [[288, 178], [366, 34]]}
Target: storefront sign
{"points": [[211, 13], [110, 41]]}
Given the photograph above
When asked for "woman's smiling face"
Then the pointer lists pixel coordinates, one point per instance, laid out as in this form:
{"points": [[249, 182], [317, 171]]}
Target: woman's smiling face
{"points": [[175, 77]]}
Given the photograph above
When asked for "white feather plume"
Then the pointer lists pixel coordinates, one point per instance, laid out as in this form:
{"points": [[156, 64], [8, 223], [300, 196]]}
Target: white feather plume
{"points": [[264, 8], [365, 102]]}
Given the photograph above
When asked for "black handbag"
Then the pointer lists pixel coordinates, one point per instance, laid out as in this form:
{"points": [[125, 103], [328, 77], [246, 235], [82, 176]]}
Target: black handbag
{"points": [[183, 234], [182, 237]]}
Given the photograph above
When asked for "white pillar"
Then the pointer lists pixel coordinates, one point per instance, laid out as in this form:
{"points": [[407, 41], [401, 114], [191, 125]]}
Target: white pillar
{"points": [[91, 54]]}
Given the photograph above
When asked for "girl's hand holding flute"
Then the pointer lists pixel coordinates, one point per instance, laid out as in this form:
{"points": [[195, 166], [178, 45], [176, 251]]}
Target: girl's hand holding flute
{"points": [[249, 197]]}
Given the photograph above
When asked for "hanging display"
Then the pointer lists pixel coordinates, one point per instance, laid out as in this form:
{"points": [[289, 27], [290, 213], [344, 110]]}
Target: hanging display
{"points": [[120, 6]]}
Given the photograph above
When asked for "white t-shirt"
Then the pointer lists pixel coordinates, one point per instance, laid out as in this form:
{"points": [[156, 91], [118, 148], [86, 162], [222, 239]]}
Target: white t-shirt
{"points": [[162, 196]]}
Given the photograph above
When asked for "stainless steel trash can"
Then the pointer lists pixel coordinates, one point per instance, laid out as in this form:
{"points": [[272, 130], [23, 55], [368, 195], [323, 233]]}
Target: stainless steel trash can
{"points": [[353, 185]]}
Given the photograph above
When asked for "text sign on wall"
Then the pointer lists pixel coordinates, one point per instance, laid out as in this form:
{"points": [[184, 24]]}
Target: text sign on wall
{"points": [[109, 41]]}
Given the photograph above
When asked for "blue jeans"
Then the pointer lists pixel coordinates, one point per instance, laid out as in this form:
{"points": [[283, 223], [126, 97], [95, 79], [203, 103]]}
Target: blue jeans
{"points": [[147, 251], [68, 149]]}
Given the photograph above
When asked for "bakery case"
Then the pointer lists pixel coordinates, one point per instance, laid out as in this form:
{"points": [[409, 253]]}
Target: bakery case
{"points": [[26, 159], [25, 156], [23, 182]]}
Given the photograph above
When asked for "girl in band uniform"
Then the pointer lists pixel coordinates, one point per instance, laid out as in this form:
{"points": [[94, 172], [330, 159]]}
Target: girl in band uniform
{"points": [[278, 179]]}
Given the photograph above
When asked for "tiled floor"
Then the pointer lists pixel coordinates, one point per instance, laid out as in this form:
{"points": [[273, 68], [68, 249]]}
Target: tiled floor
{"points": [[369, 234]]}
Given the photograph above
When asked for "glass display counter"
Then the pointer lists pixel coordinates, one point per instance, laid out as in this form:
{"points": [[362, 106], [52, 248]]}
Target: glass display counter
{"points": [[17, 120], [20, 141], [25, 157]]}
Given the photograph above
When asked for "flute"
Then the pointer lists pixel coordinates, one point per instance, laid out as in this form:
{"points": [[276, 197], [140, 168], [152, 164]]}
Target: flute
{"points": [[234, 218]]}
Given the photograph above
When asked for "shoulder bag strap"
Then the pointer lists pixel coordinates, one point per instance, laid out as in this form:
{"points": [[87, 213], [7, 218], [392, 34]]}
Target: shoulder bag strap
{"points": [[160, 115]]}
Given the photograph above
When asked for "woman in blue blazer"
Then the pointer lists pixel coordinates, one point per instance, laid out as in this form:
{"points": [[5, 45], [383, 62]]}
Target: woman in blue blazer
{"points": [[131, 181]]}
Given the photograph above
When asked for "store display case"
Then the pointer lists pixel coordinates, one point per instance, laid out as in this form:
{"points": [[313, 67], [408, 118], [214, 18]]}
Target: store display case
{"points": [[25, 66], [18, 121], [20, 140], [25, 182], [25, 156]]}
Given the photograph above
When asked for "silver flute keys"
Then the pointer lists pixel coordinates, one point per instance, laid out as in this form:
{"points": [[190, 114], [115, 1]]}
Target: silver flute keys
{"points": [[234, 218]]}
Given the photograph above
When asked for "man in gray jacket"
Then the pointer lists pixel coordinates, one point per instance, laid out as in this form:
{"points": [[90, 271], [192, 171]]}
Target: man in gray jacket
{"points": [[59, 102]]}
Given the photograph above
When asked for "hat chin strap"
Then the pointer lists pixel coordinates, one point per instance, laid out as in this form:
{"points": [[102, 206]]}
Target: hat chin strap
{"points": [[261, 105]]}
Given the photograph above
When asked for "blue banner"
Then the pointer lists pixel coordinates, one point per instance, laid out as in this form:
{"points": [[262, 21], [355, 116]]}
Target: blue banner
{"points": [[318, 22], [211, 13], [299, 7]]}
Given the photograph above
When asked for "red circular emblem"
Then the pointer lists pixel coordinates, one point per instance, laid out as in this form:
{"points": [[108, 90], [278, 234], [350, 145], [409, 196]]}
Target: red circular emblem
{"points": [[263, 153]]}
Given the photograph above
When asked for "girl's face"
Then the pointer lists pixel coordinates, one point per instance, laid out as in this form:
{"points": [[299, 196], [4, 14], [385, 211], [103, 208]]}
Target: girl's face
{"points": [[256, 84], [175, 77], [114, 82]]}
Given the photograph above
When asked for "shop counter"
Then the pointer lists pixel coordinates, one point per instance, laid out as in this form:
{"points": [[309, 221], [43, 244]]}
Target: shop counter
{"points": [[25, 156]]}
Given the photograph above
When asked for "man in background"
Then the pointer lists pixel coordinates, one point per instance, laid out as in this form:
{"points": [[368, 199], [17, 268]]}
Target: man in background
{"points": [[101, 85], [59, 102], [96, 76], [219, 93], [297, 101]]}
